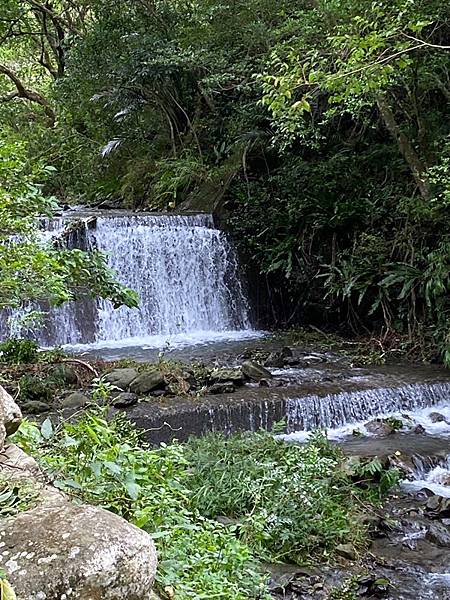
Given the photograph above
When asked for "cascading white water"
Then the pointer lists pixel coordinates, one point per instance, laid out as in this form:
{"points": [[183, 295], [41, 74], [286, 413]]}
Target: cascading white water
{"points": [[335, 411], [184, 270]]}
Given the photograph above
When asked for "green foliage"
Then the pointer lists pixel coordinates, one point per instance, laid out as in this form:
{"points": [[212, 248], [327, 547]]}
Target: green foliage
{"points": [[101, 390], [107, 464], [38, 387], [322, 129], [17, 351], [291, 503], [31, 269], [15, 497], [283, 502]]}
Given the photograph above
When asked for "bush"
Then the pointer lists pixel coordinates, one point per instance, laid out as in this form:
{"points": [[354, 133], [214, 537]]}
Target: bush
{"points": [[18, 351], [286, 502], [291, 502], [106, 464]]}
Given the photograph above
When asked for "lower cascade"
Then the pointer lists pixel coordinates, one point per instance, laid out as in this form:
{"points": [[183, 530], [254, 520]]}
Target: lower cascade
{"points": [[337, 410], [183, 268]]}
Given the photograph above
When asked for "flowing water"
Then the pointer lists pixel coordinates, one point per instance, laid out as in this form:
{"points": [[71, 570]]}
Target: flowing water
{"points": [[344, 412], [184, 270]]}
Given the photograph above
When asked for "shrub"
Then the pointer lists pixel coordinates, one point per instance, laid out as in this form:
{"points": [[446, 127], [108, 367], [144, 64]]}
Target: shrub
{"points": [[18, 351]]}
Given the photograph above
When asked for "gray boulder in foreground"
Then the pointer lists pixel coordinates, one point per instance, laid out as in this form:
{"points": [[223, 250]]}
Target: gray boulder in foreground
{"points": [[57, 550], [61, 551], [10, 416]]}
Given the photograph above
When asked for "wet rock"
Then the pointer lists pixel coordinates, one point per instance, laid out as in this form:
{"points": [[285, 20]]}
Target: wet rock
{"points": [[64, 373], [226, 387], [264, 383], [438, 507], [419, 429], [35, 407], [438, 534], [346, 551], [314, 359], [121, 378], [403, 463], [147, 382], [236, 376], [272, 383], [75, 400], [372, 586], [379, 427], [436, 417], [283, 575], [253, 370], [10, 415], [294, 361], [275, 360], [125, 399]]}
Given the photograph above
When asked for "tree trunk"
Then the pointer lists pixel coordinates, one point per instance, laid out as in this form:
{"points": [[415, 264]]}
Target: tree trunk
{"points": [[405, 146]]}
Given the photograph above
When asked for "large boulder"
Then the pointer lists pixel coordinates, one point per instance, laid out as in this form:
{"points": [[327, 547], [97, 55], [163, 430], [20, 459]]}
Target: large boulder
{"points": [[10, 416], [223, 375], [58, 550], [253, 370], [121, 378], [147, 382]]}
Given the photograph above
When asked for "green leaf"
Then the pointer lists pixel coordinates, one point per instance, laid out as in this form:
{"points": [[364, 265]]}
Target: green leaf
{"points": [[47, 429], [113, 468], [133, 489]]}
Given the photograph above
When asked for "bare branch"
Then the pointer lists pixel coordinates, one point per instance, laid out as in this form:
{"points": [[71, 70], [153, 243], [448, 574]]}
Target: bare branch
{"points": [[424, 43]]}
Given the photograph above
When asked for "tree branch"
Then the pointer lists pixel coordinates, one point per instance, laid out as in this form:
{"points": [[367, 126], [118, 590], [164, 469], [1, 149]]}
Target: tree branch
{"points": [[27, 94]]}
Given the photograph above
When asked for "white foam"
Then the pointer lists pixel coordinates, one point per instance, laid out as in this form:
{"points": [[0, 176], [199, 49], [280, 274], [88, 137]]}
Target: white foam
{"points": [[170, 342], [416, 417]]}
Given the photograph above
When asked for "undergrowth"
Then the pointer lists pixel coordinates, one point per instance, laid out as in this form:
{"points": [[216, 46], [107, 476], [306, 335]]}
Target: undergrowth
{"points": [[291, 503], [283, 502], [106, 464]]}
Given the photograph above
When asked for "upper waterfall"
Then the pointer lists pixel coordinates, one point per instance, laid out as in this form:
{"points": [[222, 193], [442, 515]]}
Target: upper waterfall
{"points": [[183, 268]]}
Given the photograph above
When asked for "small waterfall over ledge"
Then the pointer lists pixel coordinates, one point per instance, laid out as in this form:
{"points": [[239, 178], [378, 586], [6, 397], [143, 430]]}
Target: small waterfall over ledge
{"points": [[184, 270]]}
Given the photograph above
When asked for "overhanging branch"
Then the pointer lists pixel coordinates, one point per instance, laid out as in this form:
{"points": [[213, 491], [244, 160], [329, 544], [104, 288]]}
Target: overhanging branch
{"points": [[27, 94]]}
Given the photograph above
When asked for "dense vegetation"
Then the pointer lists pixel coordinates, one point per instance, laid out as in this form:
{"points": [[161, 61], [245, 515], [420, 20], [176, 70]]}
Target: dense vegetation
{"points": [[215, 507], [319, 128]]}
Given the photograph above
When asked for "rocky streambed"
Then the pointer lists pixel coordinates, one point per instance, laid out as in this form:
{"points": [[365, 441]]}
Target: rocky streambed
{"points": [[398, 415]]}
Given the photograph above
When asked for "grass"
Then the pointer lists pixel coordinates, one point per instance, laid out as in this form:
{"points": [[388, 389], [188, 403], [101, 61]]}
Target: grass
{"points": [[283, 502]]}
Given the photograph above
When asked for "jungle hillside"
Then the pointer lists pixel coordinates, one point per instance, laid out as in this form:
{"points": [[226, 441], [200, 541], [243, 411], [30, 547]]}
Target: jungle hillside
{"points": [[316, 130]]}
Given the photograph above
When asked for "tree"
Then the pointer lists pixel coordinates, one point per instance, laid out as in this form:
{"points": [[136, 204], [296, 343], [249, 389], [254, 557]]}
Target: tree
{"points": [[35, 37], [30, 268], [355, 55]]}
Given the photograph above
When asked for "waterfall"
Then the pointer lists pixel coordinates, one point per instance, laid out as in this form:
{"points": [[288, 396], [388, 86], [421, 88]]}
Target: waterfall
{"points": [[336, 410], [184, 270]]}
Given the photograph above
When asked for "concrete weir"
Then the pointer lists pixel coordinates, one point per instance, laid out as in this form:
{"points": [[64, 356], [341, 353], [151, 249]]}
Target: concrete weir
{"points": [[339, 398]]}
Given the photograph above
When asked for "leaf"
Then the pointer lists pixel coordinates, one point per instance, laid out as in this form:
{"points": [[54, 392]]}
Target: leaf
{"points": [[47, 429], [6, 591], [133, 489], [65, 483], [113, 468]]}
